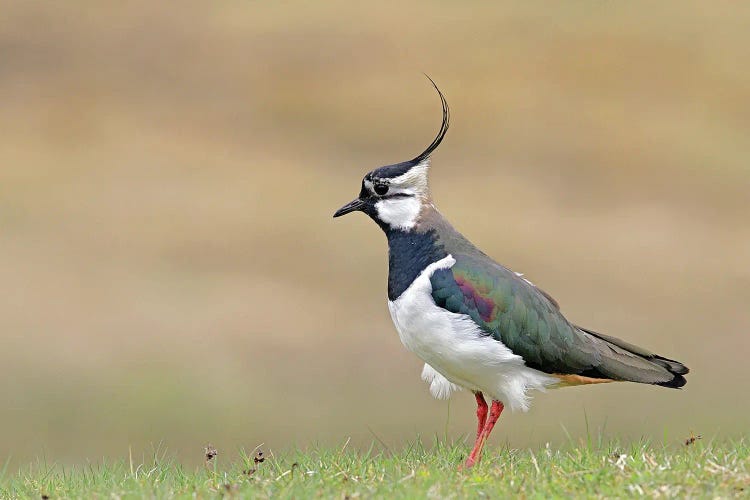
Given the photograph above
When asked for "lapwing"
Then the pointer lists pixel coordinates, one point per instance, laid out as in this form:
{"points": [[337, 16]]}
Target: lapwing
{"points": [[476, 324]]}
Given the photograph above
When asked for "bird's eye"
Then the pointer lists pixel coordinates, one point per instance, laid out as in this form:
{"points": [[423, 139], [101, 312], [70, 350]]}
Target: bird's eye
{"points": [[380, 189]]}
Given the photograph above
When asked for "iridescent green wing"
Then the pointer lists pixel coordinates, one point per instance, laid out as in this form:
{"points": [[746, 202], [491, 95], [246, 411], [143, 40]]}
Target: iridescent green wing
{"points": [[516, 313]]}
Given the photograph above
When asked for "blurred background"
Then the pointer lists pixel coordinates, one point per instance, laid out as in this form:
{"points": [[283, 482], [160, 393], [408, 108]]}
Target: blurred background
{"points": [[171, 274]]}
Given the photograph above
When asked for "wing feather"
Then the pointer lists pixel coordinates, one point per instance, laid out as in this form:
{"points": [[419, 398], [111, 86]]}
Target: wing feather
{"points": [[512, 310]]}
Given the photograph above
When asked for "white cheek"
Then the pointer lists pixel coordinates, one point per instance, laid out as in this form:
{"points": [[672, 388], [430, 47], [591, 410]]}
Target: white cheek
{"points": [[399, 213]]}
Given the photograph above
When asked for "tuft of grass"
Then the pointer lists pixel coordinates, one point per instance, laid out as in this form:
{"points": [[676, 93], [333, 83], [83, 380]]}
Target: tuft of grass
{"points": [[700, 469]]}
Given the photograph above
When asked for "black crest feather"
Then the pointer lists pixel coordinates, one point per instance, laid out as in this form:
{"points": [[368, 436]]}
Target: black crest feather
{"points": [[443, 127], [398, 169]]}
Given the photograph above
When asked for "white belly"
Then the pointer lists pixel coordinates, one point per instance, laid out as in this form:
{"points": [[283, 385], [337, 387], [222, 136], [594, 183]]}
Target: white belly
{"points": [[454, 347]]}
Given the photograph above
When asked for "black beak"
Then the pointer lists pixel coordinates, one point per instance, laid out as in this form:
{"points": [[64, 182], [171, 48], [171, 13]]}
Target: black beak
{"points": [[352, 206]]}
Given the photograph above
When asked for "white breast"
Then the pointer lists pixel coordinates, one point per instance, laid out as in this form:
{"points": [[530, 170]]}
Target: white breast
{"points": [[457, 351]]}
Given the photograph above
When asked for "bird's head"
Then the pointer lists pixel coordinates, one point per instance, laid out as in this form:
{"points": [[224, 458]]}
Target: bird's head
{"points": [[393, 195]]}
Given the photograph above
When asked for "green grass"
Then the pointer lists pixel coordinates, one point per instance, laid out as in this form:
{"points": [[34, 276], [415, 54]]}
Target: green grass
{"points": [[703, 470]]}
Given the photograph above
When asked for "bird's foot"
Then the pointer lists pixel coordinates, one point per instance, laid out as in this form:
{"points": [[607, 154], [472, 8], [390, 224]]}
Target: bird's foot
{"points": [[464, 467], [468, 464]]}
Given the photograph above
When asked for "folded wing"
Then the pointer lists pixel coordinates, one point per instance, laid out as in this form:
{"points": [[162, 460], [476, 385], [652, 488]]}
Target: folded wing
{"points": [[515, 312]]}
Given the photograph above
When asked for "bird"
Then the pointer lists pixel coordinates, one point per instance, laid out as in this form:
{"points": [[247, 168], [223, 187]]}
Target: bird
{"points": [[476, 324]]}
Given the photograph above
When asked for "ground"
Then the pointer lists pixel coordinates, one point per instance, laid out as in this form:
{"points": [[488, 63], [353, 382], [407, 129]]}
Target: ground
{"points": [[694, 468]]}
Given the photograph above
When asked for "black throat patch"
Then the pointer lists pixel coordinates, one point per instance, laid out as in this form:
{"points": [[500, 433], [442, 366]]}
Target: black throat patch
{"points": [[409, 252]]}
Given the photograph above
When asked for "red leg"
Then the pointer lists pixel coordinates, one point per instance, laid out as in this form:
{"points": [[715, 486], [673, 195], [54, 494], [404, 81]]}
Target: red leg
{"points": [[476, 453], [481, 412]]}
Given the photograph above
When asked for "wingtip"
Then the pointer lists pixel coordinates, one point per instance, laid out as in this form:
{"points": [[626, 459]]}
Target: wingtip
{"points": [[670, 364], [676, 383]]}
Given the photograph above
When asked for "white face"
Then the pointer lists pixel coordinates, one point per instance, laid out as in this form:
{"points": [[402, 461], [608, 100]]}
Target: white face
{"points": [[400, 205]]}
